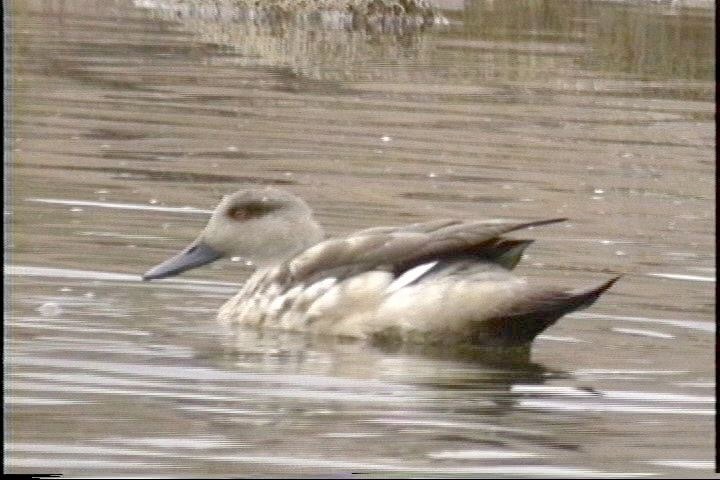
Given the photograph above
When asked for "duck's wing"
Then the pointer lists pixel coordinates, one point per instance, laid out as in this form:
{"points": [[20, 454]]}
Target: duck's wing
{"points": [[399, 249]]}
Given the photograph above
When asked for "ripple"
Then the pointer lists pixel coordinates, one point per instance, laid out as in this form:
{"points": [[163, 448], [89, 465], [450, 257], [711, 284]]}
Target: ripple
{"points": [[677, 276], [617, 394], [349, 465], [689, 324], [618, 408], [480, 454], [75, 463], [643, 333], [14, 400], [689, 464], [30, 271], [185, 443], [57, 448], [554, 338], [121, 206]]}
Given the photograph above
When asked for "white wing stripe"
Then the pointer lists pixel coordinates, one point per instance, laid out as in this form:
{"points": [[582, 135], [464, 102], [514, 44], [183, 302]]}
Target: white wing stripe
{"points": [[410, 276]]}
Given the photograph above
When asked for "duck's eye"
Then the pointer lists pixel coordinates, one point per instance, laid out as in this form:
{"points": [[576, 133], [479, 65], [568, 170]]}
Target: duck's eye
{"points": [[248, 211]]}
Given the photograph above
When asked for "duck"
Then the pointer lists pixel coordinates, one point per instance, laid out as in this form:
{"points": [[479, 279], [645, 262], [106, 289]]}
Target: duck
{"points": [[441, 282]]}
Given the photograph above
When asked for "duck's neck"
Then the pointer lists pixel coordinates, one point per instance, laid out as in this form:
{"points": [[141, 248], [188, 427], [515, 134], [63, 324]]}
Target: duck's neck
{"points": [[287, 243]]}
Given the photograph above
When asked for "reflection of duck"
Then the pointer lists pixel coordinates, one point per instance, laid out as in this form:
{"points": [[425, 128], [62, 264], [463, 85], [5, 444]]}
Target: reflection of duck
{"points": [[441, 282]]}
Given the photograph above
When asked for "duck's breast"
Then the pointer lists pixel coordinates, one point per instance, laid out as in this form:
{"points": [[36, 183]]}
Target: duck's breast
{"points": [[325, 306]]}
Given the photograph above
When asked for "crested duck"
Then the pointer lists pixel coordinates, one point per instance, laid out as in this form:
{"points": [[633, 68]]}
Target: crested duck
{"points": [[441, 282]]}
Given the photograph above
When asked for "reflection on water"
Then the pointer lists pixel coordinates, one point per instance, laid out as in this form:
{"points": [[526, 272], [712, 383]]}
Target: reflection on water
{"points": [[333, 43], [509, 41], [131, 118], [635, 42]]}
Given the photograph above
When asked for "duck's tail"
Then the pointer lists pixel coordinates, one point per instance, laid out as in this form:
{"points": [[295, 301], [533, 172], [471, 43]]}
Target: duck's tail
{"points": [[529, 316], [585, 298]]}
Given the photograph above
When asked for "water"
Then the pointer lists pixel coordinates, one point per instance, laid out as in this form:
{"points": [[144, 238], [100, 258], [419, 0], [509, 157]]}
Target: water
{"points": [[130, 120]]}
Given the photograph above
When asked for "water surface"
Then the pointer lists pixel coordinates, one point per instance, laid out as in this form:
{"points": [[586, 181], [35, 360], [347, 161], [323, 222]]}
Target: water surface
{"points": [[131, 119]]}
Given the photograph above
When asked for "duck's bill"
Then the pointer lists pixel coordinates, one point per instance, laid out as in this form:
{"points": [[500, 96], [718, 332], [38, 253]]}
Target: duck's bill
{"points": [[196, 255]]}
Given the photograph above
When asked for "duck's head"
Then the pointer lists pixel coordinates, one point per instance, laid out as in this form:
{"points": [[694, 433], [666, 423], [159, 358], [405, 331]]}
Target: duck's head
{"points": [[262, 225]]}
